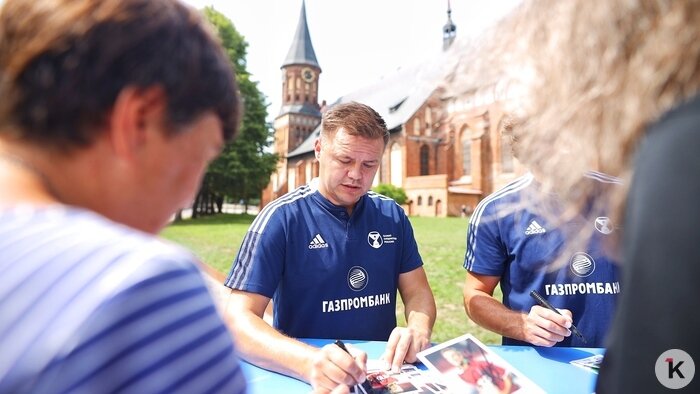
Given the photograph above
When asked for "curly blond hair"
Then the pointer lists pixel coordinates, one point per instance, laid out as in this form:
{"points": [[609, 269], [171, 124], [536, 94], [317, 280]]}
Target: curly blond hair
{"points": [[603, 72], [591, 77]]}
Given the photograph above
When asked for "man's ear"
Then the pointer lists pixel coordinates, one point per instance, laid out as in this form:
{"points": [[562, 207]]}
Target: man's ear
{"points": [[317, 148], [135, 111]]}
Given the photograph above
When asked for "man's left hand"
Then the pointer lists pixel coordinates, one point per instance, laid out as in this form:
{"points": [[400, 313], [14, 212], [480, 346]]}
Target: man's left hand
{"points": [[403, 345]]}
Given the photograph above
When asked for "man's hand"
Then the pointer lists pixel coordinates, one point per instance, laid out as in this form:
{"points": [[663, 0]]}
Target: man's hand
{"points": [[403, 345], [546, 328], [333, 370]]}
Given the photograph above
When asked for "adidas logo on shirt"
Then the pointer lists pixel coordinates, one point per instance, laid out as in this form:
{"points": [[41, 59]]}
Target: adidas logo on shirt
{"points": [[534, 228], [317, 242]]}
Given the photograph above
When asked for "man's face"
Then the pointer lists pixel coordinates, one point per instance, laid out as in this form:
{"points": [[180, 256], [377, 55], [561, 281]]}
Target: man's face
{"points": [[347, 165], [453, 357], [176, 167]]}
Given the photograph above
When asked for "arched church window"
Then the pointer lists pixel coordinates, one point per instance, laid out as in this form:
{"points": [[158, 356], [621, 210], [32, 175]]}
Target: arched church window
{"points": [[396, 165], [428, 121], [424, 160], [466, 153]]}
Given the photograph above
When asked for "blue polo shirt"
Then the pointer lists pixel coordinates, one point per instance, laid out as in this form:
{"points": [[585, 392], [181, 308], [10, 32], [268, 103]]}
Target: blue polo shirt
{"points": [[330, 274], [509, 240]]}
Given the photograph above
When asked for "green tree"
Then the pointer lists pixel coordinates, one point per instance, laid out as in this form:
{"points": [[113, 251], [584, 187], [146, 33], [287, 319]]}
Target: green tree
{"points": [[244, 167], [391, 191]]}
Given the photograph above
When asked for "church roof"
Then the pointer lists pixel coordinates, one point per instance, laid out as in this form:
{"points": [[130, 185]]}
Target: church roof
{"points": [[301, 51], [305, 108], [396, 97], [308, 145]]}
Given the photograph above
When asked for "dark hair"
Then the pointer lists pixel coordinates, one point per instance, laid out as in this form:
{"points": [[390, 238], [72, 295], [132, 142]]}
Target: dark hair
{"points": [[356, 119], [62, 67]]}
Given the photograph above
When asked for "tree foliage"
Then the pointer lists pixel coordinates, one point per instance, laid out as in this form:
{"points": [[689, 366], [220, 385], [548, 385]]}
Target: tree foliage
{"points": [[391, 191], [244, 167]]}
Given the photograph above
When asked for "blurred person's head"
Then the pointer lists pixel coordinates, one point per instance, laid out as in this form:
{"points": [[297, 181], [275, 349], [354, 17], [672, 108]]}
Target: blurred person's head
{"points": [[602, 74], [590, 78], [349, 151], [135, 96]]}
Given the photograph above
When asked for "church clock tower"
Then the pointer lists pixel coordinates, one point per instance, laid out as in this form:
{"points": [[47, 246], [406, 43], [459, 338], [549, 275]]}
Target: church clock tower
{"points": [[300, 112]]}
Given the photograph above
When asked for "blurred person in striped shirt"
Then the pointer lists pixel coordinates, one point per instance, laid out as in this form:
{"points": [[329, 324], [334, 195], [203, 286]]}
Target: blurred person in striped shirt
{"points": [[110, 113]]}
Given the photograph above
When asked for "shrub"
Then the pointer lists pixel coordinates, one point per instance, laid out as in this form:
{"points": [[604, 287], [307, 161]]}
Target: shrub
{"points": [[391, 191]]}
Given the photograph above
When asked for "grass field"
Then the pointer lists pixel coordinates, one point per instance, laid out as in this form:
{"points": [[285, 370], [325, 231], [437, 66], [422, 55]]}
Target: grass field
{"points": [[441, 242]]}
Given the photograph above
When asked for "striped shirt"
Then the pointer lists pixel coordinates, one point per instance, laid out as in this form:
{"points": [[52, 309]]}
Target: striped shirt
{"points": [[87, 305]]}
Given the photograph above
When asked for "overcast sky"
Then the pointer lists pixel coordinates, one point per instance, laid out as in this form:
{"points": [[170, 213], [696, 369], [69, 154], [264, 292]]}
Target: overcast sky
{"points": [[356, 41]]}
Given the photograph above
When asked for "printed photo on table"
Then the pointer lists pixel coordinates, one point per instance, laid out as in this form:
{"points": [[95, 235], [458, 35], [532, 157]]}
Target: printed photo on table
{"points": [[468, 366]]}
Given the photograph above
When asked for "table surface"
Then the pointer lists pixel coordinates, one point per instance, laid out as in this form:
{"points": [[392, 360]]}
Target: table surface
{"points": [[549, 368]]}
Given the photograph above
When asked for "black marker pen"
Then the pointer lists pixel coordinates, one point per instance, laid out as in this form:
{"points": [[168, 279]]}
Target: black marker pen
{"points": [[543, 303], [366, 385]]}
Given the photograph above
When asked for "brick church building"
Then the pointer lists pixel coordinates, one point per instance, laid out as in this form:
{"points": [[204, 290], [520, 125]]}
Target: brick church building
{"points": [[445, 150]]}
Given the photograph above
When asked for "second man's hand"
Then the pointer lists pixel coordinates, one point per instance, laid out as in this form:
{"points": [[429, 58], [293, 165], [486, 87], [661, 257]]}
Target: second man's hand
{"points": [[544, 327], [545, 304]]}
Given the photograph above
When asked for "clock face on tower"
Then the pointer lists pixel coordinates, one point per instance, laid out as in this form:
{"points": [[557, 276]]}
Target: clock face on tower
{"points": [[307, 75]]}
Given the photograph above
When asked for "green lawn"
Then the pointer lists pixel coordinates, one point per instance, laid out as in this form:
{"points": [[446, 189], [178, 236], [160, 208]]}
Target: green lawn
{"points": [[441, 241]]}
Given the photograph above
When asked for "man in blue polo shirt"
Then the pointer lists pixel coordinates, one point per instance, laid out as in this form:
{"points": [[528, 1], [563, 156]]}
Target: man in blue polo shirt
{"points": [[332, 255], [510, 243]]}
